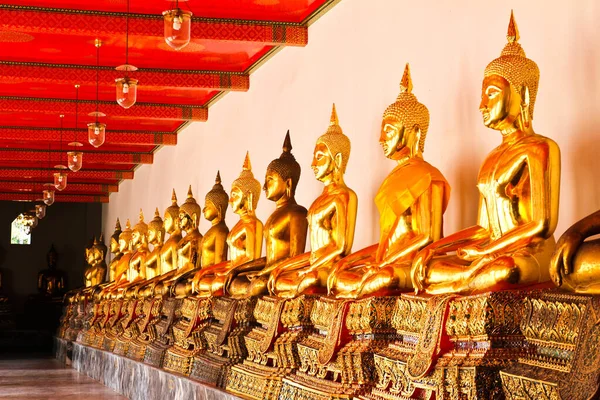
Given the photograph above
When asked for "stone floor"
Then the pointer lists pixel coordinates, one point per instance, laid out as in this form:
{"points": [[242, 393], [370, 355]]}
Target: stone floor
{"points": [[48, 379]]}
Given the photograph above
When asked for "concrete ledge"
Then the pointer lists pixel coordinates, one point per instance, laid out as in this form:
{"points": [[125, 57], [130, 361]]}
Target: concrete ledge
{"points": [[139, 381], [63, 350]]}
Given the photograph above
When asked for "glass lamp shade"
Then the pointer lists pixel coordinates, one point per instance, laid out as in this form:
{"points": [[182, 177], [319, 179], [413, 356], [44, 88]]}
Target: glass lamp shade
{"points": [[74, 160], [126, 91], [48, 197], [178, 24], [40, 211], [33, 220], [96, 133], [60, 180]]}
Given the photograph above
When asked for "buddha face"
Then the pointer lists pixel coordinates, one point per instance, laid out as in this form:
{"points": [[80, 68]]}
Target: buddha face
{"points": [[500, 103], [136, 237], [322, 163], [393, 137], [210, 211], [170, 223], [123, 243], [152, 235], [274, 187], [185, 221], [237, 200], [114, 246]]}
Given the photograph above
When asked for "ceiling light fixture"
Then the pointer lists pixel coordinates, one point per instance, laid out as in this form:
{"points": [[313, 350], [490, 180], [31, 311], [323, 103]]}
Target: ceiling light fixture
{"points": [[126, 87], [60, 177], [178, 27], [75, 158], [97, 130]]}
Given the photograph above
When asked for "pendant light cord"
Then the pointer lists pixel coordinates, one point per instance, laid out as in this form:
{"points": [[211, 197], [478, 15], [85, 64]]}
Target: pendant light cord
{"points": [[97, 75], [76, 108], [127, 36]]}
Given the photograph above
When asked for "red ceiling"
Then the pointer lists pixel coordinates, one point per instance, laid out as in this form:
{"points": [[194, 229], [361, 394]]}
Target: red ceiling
{"points": [[47, 46]]}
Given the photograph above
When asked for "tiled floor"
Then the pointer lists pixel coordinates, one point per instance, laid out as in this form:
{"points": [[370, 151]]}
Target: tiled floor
{"points": [[47, 379]]}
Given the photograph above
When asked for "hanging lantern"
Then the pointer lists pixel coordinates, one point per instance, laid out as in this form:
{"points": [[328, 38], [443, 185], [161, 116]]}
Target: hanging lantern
{"points": [[48, 197], [96, 133], [74, 160], [178, 27], [40, 211], [126, 89], [32, 219], [60, 180]]}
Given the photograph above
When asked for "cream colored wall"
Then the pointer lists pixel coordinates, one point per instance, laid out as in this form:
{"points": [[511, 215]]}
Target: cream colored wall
{"points": [[355, 57]]}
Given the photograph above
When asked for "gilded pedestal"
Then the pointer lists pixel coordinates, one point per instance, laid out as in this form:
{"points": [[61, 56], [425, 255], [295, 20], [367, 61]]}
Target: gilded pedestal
{"points": [[146, 325], [187, 332], [113, 327], [131, 331], [450, 347], [272, 347], [224, 340], [563, 329], [336, 361], [169, 315]]}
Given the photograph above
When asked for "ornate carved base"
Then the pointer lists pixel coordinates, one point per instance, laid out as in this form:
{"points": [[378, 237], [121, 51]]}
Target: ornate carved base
{"points": [[450, 347], [336, 362], [563, 328], [169, 314], [272, 346], [224, 340], [195, 314]]}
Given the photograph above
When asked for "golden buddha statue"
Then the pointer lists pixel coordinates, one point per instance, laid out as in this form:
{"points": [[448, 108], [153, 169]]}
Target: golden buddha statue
{"points": [[518, 182], [121, 271], [51, 281], [96, 273], [88, 262], [214, 242], [156, 237], [139, 241], [115, 250], [285, 230], [244, 240], [331, 217], [574, 265], [168, 252], [411, 202]]}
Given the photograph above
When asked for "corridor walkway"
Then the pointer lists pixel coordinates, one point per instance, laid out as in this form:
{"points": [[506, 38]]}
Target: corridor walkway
{"points": [[47, 379]]}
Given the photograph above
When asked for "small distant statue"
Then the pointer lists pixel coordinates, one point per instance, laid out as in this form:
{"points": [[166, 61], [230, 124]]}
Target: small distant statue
{"points": [[51, 281]]}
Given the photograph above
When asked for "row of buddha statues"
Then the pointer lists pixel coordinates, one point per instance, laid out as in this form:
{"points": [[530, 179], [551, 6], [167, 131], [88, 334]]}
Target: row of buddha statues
{"points": [[417, 315]]}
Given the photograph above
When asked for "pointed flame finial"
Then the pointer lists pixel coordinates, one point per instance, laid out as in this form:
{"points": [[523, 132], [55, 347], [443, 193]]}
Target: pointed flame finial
{"points": [[406, 85], [334, 118], [128, 225], [101, 237], [287, 143], [156, 213], [513, 30], [118, 225], [95, 241], [141, 215], [190, 194], [173, 198], [218, 178], [247, 165]]}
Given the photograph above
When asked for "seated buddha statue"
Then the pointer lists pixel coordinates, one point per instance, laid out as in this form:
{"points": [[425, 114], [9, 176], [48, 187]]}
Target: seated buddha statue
{"points": [[122, 265], [411, 202], [512, 243], [51, 281], [574, 264], [244, 240], [156, 237], [115, 250], [285, 230], [331, 219], [188, 248], [96, 275]]}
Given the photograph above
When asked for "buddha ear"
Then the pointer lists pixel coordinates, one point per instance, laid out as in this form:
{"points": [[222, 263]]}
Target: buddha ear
{"points": [[417, 131], [250, 200], [338, 159], [288, 187], [525, 104]]}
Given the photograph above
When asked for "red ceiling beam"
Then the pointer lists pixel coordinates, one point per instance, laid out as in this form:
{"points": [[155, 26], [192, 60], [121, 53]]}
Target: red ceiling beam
{"points": [[94, 24], [18, 174], [111, 109], [130, 138], [28, 156], [90, 188], [60, 198], [12, 72]]}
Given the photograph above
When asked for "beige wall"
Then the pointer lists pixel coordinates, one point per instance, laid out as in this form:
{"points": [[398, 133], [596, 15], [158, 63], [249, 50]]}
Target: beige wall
{"points": [[355, 57]]}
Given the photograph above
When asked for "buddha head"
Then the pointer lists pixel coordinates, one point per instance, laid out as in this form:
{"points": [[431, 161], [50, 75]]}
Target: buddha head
{"points": [[100, 248], [216, 202], [88, 250], [405, 123], [283, 174], [189, 212], [114, 239], [510, 85], [171, 222], [245, 190], [332, 150], [139, 236], [156, 230], [125, 238]]}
